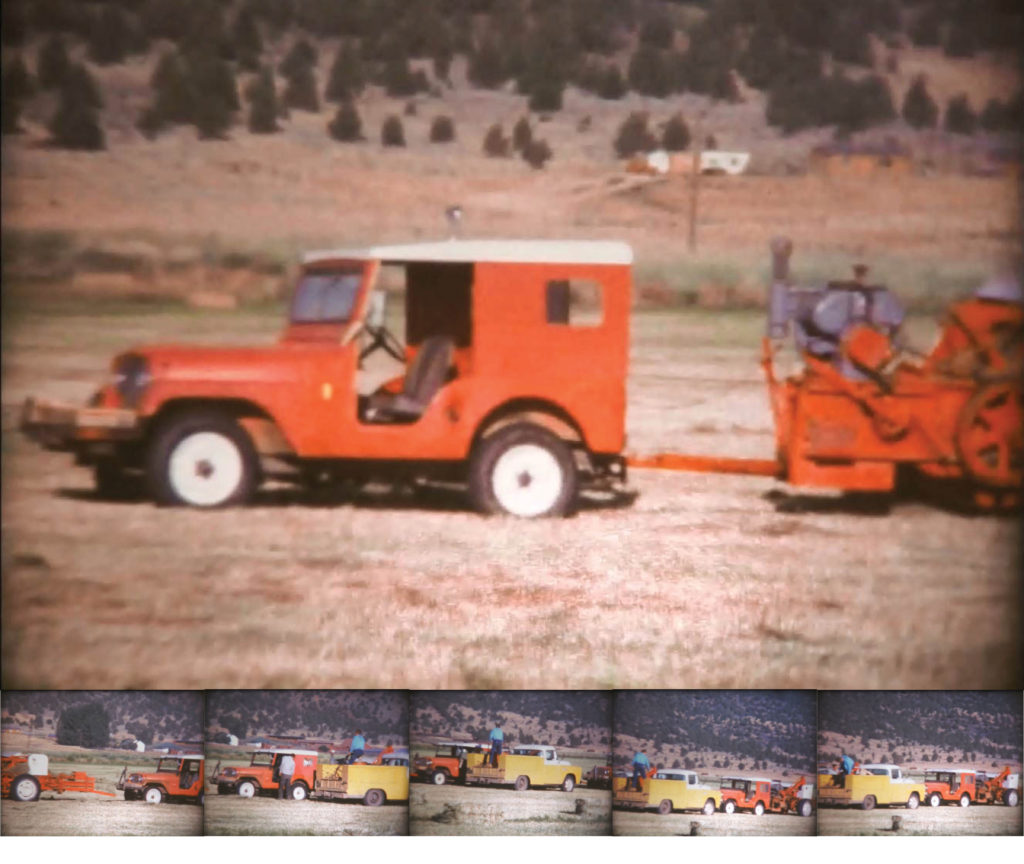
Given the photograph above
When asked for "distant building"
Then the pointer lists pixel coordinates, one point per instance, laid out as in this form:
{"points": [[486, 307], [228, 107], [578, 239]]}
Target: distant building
{"points": [[711, 162], [864, 159]]}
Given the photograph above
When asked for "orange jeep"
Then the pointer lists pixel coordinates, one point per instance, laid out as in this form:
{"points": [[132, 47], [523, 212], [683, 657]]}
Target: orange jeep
{"points": [[950, 785], [179, 777], [447, 765], [511, 381], [746, 793], [262, 774]]}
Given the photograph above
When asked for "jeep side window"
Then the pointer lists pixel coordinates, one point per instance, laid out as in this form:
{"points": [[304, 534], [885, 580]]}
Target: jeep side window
{"points": [[326, 296], [574, 302]]}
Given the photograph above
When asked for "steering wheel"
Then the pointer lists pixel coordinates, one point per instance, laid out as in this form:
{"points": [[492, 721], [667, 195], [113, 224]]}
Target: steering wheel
{"points": [[381, 337]]}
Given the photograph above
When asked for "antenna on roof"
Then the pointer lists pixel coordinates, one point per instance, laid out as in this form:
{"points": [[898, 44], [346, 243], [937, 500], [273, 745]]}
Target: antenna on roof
{"points": [[454, 216]]}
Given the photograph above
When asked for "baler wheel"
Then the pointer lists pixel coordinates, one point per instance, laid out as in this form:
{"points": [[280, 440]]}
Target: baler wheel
{"points": [[989, 436], [25, 788]]}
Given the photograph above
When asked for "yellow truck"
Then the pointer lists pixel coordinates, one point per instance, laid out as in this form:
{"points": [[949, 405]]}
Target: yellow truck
{"points": [[875, 785], [525, 767], [375, 783], [668, 790]]}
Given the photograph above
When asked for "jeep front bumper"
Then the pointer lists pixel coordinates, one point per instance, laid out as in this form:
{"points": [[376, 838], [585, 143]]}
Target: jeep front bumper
{"points": [[71, 428]]}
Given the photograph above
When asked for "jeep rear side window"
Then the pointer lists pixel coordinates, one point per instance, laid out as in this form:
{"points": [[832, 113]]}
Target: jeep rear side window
{"points": [[574, 302], [326, 297]]}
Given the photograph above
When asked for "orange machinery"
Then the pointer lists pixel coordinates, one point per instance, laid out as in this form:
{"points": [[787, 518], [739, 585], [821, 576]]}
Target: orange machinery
{"points": [[863, 407], [26, 777]]}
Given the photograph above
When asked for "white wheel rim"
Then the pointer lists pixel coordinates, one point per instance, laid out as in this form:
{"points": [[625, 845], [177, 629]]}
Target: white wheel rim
{"points": [[25, 790], [965, 801], [205, 469], [298, 793], [246, 790], [934, 801], [439, 779], [527, 480], [153, 796]]}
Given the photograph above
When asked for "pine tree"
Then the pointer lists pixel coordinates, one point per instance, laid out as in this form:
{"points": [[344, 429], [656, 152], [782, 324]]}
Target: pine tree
{"points": [[919, 109], [300, 91], [346, 125], [346, 79], [214, 93], [301, 54], [634, 136], [613, 85], [495, 142], [263, 107], [676, 134], [442, 130], [52, 63], [486, 66], [85, 725], [546, 95], [960, 117], [391, 132], [537, 153]]}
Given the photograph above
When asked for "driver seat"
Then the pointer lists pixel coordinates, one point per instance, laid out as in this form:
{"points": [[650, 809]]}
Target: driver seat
{"points": [[424, 377]]}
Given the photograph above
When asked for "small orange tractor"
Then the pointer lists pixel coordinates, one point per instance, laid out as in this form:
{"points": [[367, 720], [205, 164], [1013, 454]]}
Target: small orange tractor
{"points": [[25, 778], [1001, 788], [177, 777], [797, 798], [864, 407]]}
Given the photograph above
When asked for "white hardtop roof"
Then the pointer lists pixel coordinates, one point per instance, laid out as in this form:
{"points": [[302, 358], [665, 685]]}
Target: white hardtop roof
{"points": [[675, 771], [463, 744], [181, 756], [534, 747], [751, 779], [503, 251], [880, 765], [953, 770], [291, 750]]}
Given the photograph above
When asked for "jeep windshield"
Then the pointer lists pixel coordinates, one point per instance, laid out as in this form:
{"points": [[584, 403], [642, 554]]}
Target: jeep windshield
{"points": [[168, 766], [262, 759], [326, 296]]}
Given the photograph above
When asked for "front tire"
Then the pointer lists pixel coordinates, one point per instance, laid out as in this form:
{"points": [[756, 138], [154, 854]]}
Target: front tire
{"points": [[154, 795], [525, 471], [25, 788], [439, 777], [1011, 798], [246, 789], [202, 459], [934, 800], [729, 807], [804, 808], [913, 801]]}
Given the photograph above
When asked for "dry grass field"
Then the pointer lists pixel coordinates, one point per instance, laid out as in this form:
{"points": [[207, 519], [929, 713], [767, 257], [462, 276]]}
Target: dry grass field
{"points": [[498, 810], [79, 813], [628, 823], [925, 820], [705, 581], [229, 814]]}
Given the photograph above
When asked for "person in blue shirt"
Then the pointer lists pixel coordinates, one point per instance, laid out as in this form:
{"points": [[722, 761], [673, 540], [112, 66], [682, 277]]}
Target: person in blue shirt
{"points": [[358, 746], [497, 743], [641, 765], [846, 766]]}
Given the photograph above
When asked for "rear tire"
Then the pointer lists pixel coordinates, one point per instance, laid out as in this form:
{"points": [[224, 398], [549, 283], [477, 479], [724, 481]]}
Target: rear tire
{"points": [[665, 807], [246, 789], [805, 808], [373, 798], [934, 800], [965, 800], [202, 459], [298, 791], [759, 808], [729, 807], [913, 801], [868, 803], [523, 470], [1011, 798], [522, 783], [25, 788]]}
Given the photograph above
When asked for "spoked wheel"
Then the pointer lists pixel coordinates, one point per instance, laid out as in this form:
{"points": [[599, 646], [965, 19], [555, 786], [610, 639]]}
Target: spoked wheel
{"points": [[990, 437], [202, 459], [523, 470]]}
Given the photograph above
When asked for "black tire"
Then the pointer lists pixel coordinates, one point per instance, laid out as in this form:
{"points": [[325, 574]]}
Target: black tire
{"points": [[223, 789], [709, 807], [485, 458], [665, 807], [154, 795], [934, 800], [522, 783], [914, 801], [177, 430], [439, 777], [298, 791], [759, 808], [569, 783], [729, 807], [965, 800], [200, 799], [1011, 798], [24, 788], [247, 789], [805, 808], [868, 803], [374, 797]]}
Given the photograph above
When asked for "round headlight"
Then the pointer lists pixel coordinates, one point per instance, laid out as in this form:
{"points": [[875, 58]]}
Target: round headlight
{"points": [[131, 377]]}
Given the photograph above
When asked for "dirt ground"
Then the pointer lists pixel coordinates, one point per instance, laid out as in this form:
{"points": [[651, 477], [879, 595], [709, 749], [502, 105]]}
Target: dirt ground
{"points": [[628, 823], [497, 810], [229, 814], [705, 581], [925, 820], [80, 813]]}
